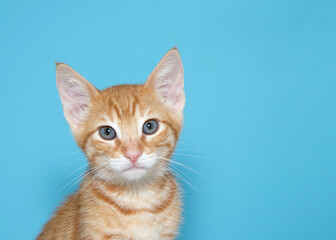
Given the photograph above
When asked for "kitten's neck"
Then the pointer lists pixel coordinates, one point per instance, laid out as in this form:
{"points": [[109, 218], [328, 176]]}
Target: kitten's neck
{"points": [[150, 197]]}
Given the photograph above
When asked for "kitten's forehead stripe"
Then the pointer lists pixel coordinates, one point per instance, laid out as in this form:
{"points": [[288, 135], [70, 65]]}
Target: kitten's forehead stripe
{"points": [[135, 105], [104, 119], [116, 110]]}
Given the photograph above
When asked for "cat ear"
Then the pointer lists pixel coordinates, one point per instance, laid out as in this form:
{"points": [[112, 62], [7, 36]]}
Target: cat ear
{"points": [[167, 79], [75, 92]]}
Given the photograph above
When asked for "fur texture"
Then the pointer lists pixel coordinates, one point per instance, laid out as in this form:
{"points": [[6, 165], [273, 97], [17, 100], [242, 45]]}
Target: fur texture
{"points": [[123, 196]]}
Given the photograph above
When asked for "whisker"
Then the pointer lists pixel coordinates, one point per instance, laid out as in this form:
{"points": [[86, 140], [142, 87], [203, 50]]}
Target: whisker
{"points": [[182, 165], [167, 169], [73, 152], [187, 144], [81, 188], [109, 178], [93, 177], [184, 180], [69, 183], [74, 160], [80, 177], [188, 155], [186, 149], [75, 171], [174, 169], [179, 170]]}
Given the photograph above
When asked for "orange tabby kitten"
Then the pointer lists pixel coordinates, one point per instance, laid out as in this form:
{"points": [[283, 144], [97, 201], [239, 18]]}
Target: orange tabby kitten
{"points": [[128, 133]]}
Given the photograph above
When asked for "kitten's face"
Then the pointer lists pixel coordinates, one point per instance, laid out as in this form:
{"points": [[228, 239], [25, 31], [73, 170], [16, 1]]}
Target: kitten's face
{"points": [[128, 132]]}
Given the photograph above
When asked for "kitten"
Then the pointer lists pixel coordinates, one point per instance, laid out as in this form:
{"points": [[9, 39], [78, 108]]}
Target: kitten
{"points": [[128, 133]]}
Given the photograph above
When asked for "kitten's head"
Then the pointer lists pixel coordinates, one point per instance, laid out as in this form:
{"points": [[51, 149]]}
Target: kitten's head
{"points": [[128, 132]]}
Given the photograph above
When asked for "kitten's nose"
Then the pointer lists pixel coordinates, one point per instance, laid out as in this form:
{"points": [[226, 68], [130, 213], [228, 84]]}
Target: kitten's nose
{"points": [[133, 154]]}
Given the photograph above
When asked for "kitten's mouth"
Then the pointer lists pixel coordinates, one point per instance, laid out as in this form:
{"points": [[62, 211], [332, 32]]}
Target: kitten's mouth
{"points": [[134, 172], [134, 168]]}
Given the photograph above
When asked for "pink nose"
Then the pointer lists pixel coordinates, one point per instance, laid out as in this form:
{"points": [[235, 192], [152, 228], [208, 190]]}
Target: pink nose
{"points": [[133, 154]]}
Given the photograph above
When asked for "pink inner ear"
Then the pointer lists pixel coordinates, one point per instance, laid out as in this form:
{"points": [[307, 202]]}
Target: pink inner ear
{"points": [[169, 84], [75, 99]]}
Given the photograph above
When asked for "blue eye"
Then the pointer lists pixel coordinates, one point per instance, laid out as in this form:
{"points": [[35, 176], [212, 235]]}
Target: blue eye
{"points": [[107, 132], [150, 127]]}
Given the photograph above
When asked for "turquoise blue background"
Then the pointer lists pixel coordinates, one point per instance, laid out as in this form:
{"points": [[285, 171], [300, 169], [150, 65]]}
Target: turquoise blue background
{"points": [[260, 80]]}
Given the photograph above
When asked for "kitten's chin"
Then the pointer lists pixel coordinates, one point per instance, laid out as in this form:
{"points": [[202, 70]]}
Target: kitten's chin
{"points": [[134, 173]]}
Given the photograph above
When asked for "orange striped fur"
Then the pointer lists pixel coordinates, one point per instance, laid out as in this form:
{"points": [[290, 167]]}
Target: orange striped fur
{"points": [[118, 200]]}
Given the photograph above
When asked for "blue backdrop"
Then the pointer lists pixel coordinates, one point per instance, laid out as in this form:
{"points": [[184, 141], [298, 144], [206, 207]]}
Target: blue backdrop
{"points": [[260, 119]]}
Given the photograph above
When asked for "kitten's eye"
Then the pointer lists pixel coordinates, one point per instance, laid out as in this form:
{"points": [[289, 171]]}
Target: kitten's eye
{"points": [[150, 127], [107, 132]]}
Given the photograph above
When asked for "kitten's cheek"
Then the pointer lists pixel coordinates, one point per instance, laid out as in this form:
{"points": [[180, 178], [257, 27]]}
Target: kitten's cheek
{"points": [[119, 166], [116, 168], [146, 163]]}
